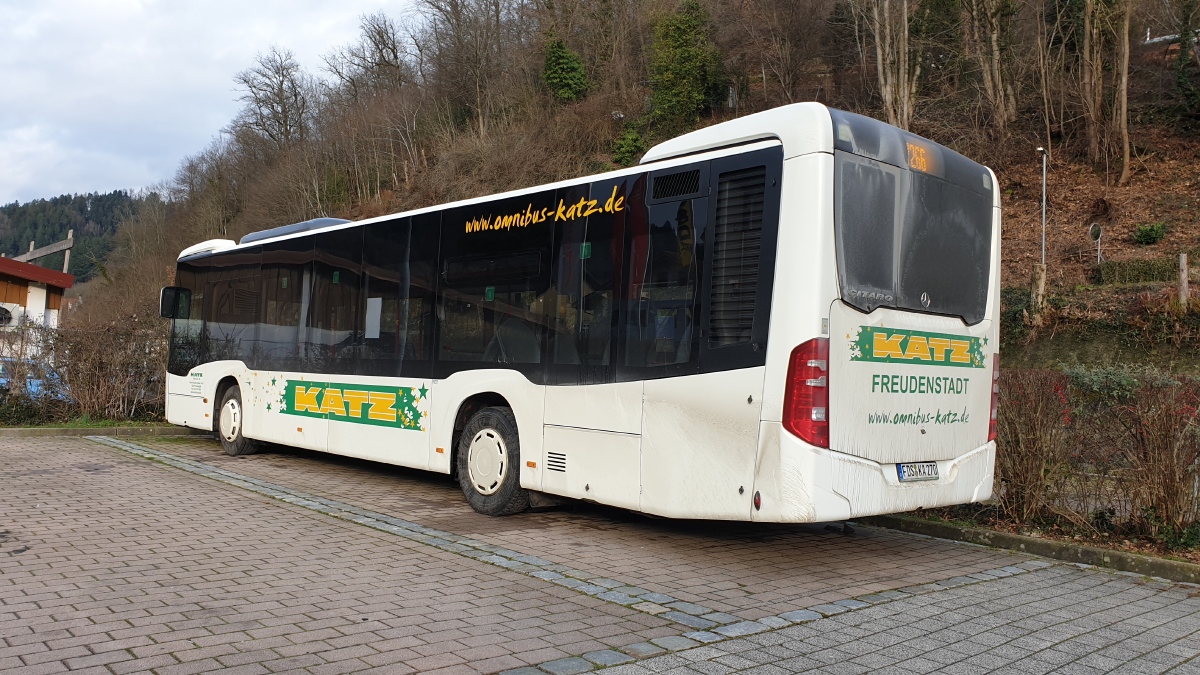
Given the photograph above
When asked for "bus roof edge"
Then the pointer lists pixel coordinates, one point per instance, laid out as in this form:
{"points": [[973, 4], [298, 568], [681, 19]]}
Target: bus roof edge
{"points": [[781, 123]]}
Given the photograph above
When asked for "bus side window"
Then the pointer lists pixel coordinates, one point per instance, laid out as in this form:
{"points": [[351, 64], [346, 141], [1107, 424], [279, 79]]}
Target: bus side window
{"points": [[287, 295], [494, 287], [399, 259], [661, 323], [337, 265], [231, 312], [586, 276]]}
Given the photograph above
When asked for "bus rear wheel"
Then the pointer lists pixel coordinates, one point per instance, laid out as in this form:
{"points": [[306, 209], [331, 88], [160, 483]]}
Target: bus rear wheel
{"points": [[230, 418], [489, 460]]}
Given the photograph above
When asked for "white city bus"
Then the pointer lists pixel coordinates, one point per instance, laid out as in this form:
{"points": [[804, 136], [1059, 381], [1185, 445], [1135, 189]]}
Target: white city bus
{"points": [[787, 317]]}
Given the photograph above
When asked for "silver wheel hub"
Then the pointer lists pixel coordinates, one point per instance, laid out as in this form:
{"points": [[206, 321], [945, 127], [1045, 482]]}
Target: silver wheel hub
{"points": [[231, 420], [487, 461]]}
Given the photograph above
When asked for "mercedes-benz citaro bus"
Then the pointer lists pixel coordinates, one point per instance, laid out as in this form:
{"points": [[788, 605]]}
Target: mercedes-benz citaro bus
{"points": [[788, 317]]}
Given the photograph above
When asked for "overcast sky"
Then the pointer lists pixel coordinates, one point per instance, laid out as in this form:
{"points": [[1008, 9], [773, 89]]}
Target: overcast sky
{"points": [[98, 95]]}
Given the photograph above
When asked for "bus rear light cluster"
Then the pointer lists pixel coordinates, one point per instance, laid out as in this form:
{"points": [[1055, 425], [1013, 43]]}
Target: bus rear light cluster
{"points": [[993, 420], [806, 394]]}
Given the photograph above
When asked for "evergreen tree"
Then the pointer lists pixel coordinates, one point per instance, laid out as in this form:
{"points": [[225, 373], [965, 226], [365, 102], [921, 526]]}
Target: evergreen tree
{"points": [[564, 73], [686, 77], [629, 148]]}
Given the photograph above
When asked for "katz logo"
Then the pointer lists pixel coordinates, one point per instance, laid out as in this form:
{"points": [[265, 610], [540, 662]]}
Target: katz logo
{"points": [[912, 346], [399, 407]]}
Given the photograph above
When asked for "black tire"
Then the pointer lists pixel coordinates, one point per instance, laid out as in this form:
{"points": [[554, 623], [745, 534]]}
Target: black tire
{"points": [[228, 424], [489, 463]]}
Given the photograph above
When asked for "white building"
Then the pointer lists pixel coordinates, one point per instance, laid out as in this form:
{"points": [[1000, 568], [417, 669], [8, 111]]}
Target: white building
{"points": [[30, 293]]}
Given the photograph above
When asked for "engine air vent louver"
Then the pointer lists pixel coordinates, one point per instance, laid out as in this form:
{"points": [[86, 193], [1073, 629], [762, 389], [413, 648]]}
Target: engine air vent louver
{"points": [[741, 196], [556, 461], [680, 184]]}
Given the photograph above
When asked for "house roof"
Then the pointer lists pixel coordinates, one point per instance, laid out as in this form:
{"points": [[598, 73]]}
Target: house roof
{"points": [[31, 272]]}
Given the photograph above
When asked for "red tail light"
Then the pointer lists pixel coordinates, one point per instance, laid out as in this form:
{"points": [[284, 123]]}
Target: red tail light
{"points": [[995, 397], [806, 395]]}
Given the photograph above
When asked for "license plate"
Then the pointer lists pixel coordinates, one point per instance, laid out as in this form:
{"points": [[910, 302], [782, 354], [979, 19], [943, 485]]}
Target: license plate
{"points": [[913, 471]]}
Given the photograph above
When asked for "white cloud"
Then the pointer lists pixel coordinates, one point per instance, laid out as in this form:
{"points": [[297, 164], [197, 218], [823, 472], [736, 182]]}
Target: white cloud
{"points": [[107, 94]]}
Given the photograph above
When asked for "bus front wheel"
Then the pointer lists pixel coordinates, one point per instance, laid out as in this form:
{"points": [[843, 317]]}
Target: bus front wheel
{"points": [[489, 460], [230, 418]]}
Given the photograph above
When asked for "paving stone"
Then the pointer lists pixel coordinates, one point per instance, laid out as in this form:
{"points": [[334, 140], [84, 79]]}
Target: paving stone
{"points": [[690, 608], [774, 622], [829, 609], [852, 603], [568, 666], [801, 615], [688, 620], [674, 642], [650, 608], [607, 657], [741, 629], [618, 597], [721, 617], [642, 650], [657, 598], [704, 636]]}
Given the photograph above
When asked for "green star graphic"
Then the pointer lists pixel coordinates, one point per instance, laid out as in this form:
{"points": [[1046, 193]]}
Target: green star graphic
{"points": [[268, 407], [272, 382], [423, 390]]}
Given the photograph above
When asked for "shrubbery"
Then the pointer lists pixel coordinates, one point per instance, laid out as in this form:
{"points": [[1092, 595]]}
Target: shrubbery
{"points": [[1150, 233], [1101, 452], [563, 72], [101, 373], [1137, 271]]}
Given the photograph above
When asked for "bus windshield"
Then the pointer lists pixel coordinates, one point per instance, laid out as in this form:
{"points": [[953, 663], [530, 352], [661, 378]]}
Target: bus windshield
{"points": [[913, 222]]}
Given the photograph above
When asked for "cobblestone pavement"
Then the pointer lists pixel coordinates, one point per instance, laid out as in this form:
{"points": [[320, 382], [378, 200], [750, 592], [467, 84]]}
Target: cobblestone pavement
{"points": [[1060, 619], [747, 571], [112, 563]]}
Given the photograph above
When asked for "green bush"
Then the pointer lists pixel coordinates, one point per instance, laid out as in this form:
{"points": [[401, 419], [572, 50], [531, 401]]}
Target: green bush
{"points": [[1014, 304], [564, 73], [1137, 271], [1150, 233], [629, 148], [686, 76]]}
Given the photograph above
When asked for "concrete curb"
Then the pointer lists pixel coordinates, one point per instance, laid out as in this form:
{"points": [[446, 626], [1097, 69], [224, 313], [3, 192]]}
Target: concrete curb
{"points": [[1173, 570], [45, 432]]}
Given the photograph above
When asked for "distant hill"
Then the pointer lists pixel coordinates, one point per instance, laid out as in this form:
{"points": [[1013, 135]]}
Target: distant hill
{"points": [[94, 217]]}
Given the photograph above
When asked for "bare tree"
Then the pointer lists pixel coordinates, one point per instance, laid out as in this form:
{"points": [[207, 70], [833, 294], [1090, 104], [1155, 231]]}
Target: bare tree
{"points": [[984, 23], [378, 63], [897, 57], [1091, 88], [1123, 93], [278, 96]]}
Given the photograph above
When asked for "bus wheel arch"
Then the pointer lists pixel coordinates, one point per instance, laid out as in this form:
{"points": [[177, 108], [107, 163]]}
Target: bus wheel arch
{"points": [[229, 419], [223, 386], [467, 409], [487, 458]]}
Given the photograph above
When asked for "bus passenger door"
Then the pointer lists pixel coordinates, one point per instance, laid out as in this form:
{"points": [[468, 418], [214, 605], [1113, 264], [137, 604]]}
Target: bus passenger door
{"points": [[592, 441]]}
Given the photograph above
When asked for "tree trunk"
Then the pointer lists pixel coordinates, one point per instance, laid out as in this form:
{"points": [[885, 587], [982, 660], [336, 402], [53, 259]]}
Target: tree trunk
{"points": [[1123, 95], [895, 57], [1092, 83]]}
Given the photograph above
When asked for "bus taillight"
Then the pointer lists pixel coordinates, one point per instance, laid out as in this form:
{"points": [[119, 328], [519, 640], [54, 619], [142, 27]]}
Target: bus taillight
{"points": [[806, 396], [992, 424]]}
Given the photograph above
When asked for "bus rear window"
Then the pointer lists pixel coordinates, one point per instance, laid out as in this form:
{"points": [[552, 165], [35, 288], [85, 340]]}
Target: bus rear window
{"points": [[910, 239]]}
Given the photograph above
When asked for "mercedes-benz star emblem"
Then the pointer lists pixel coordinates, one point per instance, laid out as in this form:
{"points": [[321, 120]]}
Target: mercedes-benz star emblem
{"points": [[925, 300]]}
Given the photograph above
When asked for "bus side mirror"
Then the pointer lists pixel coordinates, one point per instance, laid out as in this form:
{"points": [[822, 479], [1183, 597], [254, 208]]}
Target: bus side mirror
{"points": [[174, 302]]}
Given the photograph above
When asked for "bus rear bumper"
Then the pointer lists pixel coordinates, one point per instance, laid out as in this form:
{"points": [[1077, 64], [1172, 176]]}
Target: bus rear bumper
{"points": [[800, 483]]}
